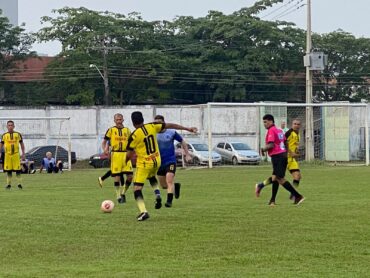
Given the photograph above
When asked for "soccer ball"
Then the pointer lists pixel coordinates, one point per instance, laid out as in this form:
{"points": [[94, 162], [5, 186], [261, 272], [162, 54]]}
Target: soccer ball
{"points": [[107, 206]]}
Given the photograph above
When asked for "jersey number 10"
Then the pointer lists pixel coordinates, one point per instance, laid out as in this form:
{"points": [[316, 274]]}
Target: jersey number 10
{"points": [[149, 144]]}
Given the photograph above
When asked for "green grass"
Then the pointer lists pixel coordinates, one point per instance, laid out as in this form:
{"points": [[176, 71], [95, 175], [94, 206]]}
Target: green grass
{"points": [[54, 228]]}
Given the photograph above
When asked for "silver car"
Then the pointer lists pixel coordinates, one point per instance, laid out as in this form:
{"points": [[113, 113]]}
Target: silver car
{"points": [[198, 152], [237, 153]]}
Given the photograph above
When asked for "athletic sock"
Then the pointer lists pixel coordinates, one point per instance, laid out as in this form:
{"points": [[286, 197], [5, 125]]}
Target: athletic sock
{"points": [[106, 175], [291, 189], [19, 178], [275, 189], [122, 179], [295, 183], [9, 178], [140, 200], [126, 187], [118, 189], [169, 198], [157, 192], [267, 181]]}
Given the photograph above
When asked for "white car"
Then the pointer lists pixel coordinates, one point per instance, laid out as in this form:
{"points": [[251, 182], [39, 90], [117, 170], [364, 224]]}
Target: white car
{"points": [[237, 153], [198, 152]]}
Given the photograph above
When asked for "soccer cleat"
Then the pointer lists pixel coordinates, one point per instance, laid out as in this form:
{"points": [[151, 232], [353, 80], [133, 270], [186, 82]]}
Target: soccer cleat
{"points": [[33, 171], [20, 186], [143, 216], [258, 189], [122, 199], [8, 187], [168, 205], [100, 180], [177, 190], [291, 197], [298, 200], [272, 203], [158, 202]]}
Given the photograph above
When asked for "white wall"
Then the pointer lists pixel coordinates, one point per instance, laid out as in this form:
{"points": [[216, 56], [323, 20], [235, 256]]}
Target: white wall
{"points": [[89, 124]]}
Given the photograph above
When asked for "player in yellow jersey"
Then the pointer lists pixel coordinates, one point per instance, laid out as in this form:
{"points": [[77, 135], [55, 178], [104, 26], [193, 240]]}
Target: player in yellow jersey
{"points": [[11, 141], [292, 142], [144, 141], [292, 138], [117, 137]]}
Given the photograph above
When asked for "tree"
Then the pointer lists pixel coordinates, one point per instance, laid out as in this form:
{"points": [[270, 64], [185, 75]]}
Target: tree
{"points": [[15, 46], [347, 75]]}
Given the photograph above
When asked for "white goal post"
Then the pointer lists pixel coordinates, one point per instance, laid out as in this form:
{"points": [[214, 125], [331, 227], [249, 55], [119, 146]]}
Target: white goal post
{"points": [[340, 129], [41, 131]]}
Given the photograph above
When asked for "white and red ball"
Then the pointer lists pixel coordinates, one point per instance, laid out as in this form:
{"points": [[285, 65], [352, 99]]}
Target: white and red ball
{"points": [[107, 206]]}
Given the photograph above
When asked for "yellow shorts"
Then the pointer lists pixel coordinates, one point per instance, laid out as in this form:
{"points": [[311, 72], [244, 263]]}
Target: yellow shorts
{"points": [[118, 163], [292, 164], [142, 174], [12, 162]]}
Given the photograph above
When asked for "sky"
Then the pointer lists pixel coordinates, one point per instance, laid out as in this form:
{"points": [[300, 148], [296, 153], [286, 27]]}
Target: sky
{"points": [[327, 15]]}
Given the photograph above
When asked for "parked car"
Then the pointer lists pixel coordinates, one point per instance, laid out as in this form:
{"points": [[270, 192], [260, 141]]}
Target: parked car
{"points": [[99, 160], [38, 153], [198, 152], [237, 153], [102, 160]]}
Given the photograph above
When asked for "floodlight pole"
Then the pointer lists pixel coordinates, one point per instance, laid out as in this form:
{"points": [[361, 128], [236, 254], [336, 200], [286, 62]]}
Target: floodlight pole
{"points": [[309, 109]]}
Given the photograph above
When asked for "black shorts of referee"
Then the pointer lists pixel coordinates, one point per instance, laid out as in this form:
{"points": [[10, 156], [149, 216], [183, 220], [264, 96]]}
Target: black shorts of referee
{"points": [[279, 164]]}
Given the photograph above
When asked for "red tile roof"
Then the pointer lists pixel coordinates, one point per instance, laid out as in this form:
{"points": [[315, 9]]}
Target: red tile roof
{"points": [[31, 69]]}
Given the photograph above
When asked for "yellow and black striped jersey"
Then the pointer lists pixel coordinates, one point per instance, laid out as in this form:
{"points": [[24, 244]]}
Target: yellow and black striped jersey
{"points": [[292, 138], [11, 142], [144, 141], [118, 138]]}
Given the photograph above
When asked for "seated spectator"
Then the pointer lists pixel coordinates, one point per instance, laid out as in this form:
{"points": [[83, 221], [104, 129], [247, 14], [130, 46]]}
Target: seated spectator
{"points": [[27, 167], [51, 165]]}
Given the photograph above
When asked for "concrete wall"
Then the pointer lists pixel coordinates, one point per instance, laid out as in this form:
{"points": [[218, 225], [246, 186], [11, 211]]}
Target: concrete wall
{"points": [[89, 124]]}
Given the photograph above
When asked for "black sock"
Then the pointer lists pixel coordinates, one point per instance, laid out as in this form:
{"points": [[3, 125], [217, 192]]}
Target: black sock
{"points": [[295, 183], [169, 198], [291, 189], [122, 179], [106, 175], [138, 195], [275, 189]]}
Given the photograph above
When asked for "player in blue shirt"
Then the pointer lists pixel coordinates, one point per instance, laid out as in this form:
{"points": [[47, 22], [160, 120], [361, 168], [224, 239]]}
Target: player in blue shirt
{"points": [[167, 170]]}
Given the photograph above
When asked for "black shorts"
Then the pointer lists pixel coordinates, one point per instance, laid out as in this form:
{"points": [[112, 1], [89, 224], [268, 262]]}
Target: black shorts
{"points": [[164, 169], [279, 164]]}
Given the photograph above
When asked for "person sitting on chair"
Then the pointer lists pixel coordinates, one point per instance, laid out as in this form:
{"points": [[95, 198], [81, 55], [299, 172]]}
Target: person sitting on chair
{"points": [[27, 166], [50, 164]]}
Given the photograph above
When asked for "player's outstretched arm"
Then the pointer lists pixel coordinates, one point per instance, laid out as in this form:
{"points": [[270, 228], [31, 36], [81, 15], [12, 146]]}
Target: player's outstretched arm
{"points": [[180, 127], [184, 145]]}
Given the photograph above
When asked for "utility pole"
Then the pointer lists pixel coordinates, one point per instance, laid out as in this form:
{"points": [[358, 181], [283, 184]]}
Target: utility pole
{"points": [[104, 49], [105, 75], [309, 110]]}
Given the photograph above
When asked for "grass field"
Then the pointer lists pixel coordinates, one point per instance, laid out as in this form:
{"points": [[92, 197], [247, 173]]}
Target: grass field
{"points": [[54, 228]]}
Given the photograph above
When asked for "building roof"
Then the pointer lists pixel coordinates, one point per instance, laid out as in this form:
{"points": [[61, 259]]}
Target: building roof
{"points": [[31, 69]]}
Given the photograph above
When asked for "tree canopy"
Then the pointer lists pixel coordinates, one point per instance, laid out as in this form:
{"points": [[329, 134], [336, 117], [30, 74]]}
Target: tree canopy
{"points": [[229, 58]]}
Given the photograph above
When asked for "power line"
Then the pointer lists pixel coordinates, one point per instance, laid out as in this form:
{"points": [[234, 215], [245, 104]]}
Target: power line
{"points": [[277, 9], [294, 7]]}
